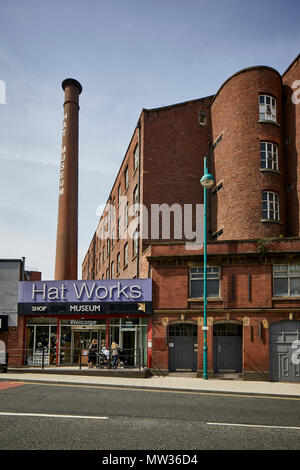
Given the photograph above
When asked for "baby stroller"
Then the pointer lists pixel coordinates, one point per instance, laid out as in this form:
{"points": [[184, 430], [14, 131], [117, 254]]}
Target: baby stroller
{"points": [[103, 360]]}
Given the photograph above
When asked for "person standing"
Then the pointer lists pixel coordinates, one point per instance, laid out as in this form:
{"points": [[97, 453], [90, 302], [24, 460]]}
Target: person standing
{"points": [[92, 356], [115, 354]]}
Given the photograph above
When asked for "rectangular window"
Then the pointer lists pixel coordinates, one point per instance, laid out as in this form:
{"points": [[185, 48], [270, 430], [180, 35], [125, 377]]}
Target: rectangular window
{"points": [[119, 193], [125, 255], [107, 273], [136, 199], [197, 282], [126, 178], [202, 118], [118, 263], [269, 155], [136, 157], [113, 212], [126, 215], [112, 270], [270, 206], [113, 237], [267, 108], [135, 243], [286, 280], [119, 227]]}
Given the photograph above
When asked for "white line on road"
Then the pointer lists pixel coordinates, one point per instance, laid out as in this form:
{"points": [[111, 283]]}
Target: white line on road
{"points": [[2, 413], [254, 426]]}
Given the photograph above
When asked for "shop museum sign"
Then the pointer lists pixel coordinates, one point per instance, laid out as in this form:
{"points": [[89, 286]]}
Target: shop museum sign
{"points": [[97, 296]]}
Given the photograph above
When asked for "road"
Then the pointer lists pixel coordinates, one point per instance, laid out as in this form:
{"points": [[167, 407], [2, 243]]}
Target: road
{"points": [[36, 416]]}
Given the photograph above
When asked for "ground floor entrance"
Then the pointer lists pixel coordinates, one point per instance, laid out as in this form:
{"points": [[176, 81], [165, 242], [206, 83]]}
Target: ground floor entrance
{"points": [[285, 351], [65, 341], [227, 347], [183, 347]]}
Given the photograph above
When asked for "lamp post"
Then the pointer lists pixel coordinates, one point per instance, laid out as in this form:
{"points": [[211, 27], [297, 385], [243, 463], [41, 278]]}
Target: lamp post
{"points": [[207, 181]]}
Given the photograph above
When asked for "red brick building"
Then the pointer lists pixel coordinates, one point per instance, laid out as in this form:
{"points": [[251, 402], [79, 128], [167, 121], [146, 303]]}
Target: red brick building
{"points": [[249, 131]]}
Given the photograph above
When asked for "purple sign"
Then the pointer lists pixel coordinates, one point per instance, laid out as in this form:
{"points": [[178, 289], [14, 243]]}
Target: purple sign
{"points": [[110, 290]]}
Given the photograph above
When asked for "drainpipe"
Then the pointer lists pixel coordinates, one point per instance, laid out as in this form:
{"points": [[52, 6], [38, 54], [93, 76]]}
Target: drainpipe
{"points": [[139, 200], [109, 239], [209, 232]]}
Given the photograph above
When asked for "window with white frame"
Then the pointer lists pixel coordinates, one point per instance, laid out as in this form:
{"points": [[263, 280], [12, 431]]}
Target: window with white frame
{"points": [[267, 108], [270, 205], [202, 118], [135, 243], [136, 157], [286, 280], [113, 211], [212, 282], [269, 155], [126, 178], [126, 255], [136, 199]]}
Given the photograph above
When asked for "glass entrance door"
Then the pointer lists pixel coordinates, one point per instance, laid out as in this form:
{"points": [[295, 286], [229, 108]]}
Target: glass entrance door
{"points": [[129, 346], [82, 340]]}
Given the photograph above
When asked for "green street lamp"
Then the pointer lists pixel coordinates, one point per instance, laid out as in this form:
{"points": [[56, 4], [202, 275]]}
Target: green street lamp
{"points": [[207, 181]]}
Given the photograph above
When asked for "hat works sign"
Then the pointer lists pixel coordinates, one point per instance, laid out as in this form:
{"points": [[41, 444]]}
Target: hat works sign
{"points": [[84, 296]]}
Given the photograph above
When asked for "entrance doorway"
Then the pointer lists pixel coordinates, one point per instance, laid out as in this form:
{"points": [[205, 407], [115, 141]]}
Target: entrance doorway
{"points": [[227, 347], [82, 340], [183, 347], [128, 349], [284, 347]]}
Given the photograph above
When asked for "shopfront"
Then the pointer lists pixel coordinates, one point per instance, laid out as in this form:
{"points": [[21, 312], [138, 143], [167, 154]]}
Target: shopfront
{"points": [[62, 318]]}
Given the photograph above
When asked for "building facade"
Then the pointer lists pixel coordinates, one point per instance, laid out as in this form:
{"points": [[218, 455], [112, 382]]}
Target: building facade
{"points": [[12, 271], [61, 318], [249, 131]]}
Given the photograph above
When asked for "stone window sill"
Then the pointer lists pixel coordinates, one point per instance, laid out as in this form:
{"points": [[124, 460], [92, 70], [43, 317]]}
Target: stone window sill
{"points": [[268, 121], [290, 297], [201, 299], [272, 221], [270, 170]]}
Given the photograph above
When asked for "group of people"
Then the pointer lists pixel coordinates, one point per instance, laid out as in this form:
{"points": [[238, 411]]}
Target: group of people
{"points": [[94, 349]]}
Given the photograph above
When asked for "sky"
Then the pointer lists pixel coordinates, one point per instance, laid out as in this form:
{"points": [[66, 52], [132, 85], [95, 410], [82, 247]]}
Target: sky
{"points": [[128, 55]]}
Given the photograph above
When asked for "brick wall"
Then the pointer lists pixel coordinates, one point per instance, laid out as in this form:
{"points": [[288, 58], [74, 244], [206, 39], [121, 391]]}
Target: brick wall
{"points": [[236, 158], [292, 147]]}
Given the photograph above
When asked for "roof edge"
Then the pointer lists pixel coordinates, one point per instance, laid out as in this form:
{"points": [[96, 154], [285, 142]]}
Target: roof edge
{"points": [[242, 71], [291, 65], [149, 110]]}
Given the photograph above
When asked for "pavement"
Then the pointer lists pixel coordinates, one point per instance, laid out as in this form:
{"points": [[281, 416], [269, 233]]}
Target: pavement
{"points": [[164, 383]]}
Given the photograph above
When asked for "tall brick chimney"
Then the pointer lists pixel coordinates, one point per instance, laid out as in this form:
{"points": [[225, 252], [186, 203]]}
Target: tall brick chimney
{"points": [[67, 224]]}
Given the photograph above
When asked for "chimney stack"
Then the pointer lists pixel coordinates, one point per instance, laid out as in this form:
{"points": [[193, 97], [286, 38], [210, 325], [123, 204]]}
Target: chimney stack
{"points": [[67, 224]]}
